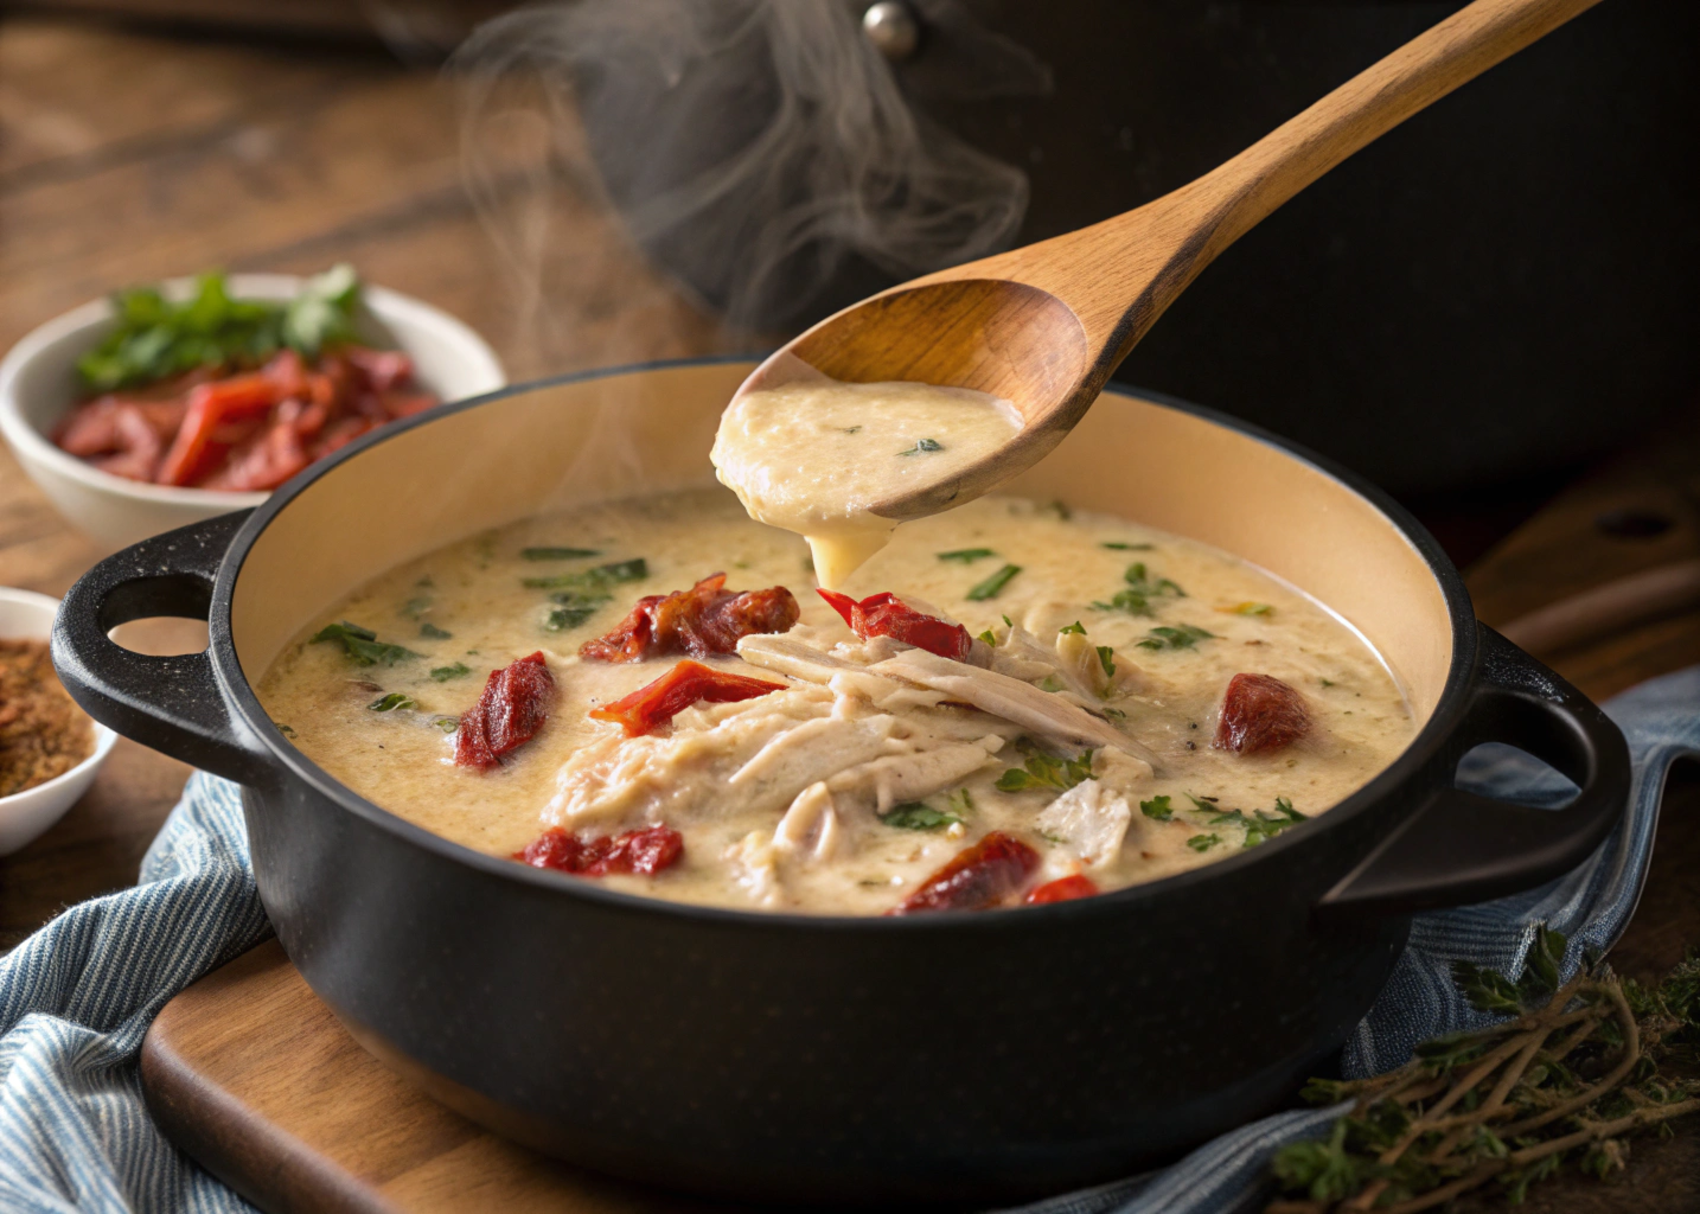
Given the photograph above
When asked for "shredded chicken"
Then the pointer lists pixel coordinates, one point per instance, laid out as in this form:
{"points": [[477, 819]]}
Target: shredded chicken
{"points": [[1090, 819]]}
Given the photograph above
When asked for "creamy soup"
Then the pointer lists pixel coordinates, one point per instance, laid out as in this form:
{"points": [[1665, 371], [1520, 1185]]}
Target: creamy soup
{"points": [[1124, 705], [815, 455]]}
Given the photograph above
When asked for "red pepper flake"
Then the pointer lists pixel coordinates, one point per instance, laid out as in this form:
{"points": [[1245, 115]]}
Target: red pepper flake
{"points": [[655, 704], [1063, 889], [886, 615], [512, 709], [643, 852], [703, 620], [978, 878], [1260, 712]]}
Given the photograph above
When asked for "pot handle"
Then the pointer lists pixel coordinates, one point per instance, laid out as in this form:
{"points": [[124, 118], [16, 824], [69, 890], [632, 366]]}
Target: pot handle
{"points": [[172, 704], [1460, 847]]}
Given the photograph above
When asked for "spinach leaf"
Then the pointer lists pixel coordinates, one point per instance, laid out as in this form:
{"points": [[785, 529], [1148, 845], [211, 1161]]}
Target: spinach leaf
{"points": [[431, 632], [391, 702], [558, 554], [443, 674], [993, 586], [592, 580], [362, 645], [1183, 637]]}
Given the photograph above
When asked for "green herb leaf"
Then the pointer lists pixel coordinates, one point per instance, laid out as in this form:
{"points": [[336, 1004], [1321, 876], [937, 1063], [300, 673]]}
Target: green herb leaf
{"points": [[993, 586], [1202, 804], [925, 445], [446, 724], [1047, 771], [1077, 628], [362, 645], [432, 632], [156, 338], [443, 674], [1248, 609], [1157, 808], [987, 637], [1119, 547], [1130, 601], [1184, 636], [1203, 842], [557, 554], [575, 608], [1106, 659], [966, 556], [917, 815], [592, 580], [391, 702], [1141, 581]]}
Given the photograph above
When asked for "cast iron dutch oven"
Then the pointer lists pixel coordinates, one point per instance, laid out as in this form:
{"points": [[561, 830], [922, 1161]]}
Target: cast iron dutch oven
{"points": [[794, 1058]]}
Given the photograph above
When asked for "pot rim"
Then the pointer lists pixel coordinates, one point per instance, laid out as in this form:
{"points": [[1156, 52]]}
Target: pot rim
{"points": [[239, 694]]}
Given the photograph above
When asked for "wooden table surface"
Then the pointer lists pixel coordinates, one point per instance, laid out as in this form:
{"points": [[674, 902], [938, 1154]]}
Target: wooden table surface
{"points": [[127, 156]]}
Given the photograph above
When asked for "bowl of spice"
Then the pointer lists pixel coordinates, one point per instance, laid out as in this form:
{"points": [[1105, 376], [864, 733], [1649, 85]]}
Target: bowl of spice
{"points": [[50, 751], [170, 403]]}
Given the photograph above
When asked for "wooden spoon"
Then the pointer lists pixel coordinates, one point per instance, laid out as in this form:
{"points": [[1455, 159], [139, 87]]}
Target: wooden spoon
{"points": [[1044, 326]]}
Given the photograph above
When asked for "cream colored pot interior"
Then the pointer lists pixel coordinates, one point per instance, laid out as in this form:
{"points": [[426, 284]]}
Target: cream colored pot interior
{"points": [[624, 434]]}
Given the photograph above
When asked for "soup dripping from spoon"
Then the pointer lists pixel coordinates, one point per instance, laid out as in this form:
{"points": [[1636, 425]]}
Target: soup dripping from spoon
{"points": [[1027, 339]]}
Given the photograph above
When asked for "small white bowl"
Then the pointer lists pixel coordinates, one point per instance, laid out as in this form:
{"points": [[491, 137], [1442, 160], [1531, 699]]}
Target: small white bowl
{"points": [[25, 615], [38, 385]]}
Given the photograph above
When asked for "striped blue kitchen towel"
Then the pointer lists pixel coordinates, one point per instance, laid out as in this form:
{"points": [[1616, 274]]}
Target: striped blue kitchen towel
{"points": [[77, 997]]}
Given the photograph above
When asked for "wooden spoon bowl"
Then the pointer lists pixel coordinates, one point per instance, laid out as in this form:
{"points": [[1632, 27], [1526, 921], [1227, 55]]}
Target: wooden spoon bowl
{"points": [[1044, 326]]}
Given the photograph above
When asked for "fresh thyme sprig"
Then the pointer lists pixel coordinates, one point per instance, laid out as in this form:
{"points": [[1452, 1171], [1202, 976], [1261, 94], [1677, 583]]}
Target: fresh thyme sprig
{"points": [[1566, 1081]]}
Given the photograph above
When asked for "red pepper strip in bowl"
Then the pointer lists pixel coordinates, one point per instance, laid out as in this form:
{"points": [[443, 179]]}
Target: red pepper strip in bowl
{"points": [[655, 704], [644, 852], [978, 878], [512, 709], [886, 615], [1063, 889], [211, 407], [705, 619], [1260, 712]]}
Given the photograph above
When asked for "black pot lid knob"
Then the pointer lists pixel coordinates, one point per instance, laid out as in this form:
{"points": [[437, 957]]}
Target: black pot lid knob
{"points": [[893, 29]]}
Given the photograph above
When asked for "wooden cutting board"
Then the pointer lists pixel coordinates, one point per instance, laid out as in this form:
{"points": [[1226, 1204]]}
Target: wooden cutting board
{"points": [[250, 1073]]}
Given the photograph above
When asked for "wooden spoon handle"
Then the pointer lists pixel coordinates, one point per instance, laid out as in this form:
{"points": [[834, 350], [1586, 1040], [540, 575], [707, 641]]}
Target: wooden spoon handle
{"points": [[1372, 103]]}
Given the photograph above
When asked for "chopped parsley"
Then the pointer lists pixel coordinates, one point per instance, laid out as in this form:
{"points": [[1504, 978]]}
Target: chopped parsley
{"points": [[391, 702], [1157, 808], [1204, 805], [1107, 659], [1117, 546], [446, 724], [925, 445], [1135, 598], [1259, 826], [362, 645], [966, 556], [592, 580], [917, 815], [993, 586], [987, 637], [1203, 842], [1047, 771], [1184, 636], [431, 632], [1077, 628], [443, 674], [558, 554], [1248, 609]]}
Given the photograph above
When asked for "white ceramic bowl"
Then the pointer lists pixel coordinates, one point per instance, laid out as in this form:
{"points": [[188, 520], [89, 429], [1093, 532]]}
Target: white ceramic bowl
{"points": [[38, 384], [25, 615]]}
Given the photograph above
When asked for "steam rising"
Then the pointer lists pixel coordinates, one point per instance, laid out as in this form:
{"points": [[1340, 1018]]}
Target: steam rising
{"points": [[760, 151]]}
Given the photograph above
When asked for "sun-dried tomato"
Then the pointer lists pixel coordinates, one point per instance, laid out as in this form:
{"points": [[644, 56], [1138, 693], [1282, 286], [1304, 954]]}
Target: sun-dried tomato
{"points": [[643, 852], [978, 878], [512, 709], [1260, 712], [703, 620], [1063, 889], [655, 704], [886, 615]]}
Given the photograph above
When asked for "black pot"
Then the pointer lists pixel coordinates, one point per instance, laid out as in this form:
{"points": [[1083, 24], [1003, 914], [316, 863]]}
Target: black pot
{"points": [[961, 1057]]}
